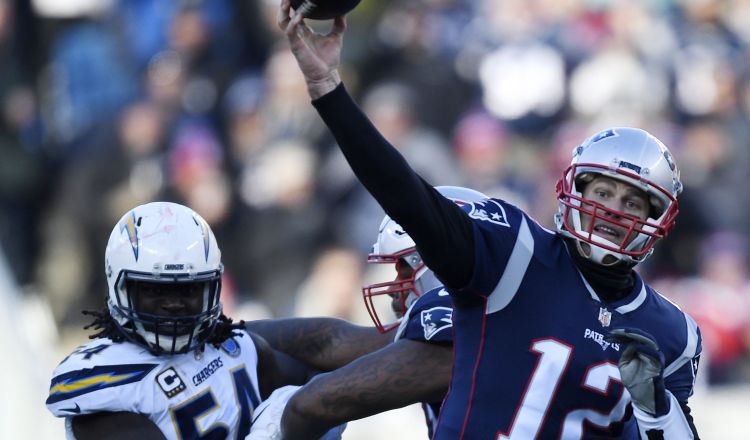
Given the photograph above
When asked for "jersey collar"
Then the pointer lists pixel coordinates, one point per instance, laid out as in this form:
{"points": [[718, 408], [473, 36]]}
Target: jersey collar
{"points": [[626, 305]]}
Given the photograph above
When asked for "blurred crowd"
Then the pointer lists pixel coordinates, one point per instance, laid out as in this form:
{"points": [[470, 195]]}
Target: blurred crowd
{"points": [[107, 104]]}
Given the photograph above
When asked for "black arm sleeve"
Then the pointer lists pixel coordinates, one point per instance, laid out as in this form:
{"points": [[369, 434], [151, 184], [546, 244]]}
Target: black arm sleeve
{"points": [[441, 230]]}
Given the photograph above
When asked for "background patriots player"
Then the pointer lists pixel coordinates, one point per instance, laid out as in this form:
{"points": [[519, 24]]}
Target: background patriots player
{"points": [[166, 363], [524, 297], [377, 371]]}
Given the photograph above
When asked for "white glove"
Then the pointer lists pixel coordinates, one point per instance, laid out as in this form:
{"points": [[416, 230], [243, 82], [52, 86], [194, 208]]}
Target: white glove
{"points": [[267, 417]]}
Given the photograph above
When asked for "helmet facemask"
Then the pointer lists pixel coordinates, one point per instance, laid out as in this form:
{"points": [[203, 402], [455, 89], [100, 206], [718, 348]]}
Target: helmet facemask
{"points": [[633, 157], [401, 292], [168, 333]]}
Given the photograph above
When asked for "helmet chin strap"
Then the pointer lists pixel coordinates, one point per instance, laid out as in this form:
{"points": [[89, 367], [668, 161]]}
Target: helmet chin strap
{"points": [[599, 255]]}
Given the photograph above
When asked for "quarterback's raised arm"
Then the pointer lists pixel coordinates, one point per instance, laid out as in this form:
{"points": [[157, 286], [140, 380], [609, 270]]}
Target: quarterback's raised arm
{"points": [[441, 230]]}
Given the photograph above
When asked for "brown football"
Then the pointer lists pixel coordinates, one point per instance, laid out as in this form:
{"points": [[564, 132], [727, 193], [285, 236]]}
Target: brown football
{"points": [[324, 9]]}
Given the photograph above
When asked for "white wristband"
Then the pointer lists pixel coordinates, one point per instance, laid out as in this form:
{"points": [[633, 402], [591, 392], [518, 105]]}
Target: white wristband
{"points": [[673, 424]]}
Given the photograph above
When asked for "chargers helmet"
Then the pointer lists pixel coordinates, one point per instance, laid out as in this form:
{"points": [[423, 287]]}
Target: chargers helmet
{"points": [[632, 156], [395, 246], [160, 244]]}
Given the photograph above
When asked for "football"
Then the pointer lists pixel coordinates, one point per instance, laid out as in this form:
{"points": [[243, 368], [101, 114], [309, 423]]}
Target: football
{"points": [[323, 9]]}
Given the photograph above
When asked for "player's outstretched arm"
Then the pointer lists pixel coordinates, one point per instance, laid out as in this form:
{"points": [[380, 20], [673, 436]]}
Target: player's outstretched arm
{"points": [[115, 426], [442, 231], [277, 369], [321, 343], [404, 372]]}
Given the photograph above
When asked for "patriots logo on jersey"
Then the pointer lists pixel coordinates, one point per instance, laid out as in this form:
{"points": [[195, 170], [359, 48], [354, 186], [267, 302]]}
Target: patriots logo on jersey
{"points": [[435, 320], [489, 211]]}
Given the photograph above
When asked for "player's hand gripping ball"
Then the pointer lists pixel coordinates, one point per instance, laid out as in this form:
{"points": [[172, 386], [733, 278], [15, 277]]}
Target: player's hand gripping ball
{"points": [[323, 9]]}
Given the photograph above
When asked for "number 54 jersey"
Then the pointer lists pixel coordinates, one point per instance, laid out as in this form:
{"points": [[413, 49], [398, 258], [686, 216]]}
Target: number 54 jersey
{"points": [[530, 357], [212, 395]]}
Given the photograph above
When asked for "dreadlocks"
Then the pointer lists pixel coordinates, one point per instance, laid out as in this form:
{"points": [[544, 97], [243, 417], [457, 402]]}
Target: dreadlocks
{"points": [[103, 322], [224, 329]]}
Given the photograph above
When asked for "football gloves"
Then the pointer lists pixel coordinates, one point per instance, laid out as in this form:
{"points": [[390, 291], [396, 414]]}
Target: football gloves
{"points": [[267, 417], [642, 369]]}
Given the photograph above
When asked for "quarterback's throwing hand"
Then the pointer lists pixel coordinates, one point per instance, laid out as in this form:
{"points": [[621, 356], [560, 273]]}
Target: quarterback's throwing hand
{"points": [[318, 55], [642, 369]]}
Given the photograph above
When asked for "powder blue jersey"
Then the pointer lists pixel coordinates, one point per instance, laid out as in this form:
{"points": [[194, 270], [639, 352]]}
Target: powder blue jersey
{"points": [[429, 320], [529, 340]]}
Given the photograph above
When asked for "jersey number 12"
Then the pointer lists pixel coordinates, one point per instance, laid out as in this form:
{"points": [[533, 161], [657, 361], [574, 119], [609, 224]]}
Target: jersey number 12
{"points": [[554, 357]]}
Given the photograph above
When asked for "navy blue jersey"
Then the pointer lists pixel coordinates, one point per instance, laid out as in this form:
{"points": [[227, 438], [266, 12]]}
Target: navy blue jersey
{"points": [[530, 356], [529, 340], [429, 319]]}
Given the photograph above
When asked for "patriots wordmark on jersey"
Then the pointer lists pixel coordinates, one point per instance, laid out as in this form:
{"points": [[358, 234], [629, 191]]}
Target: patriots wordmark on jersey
{"points": [[531, 332], [188, 396]]}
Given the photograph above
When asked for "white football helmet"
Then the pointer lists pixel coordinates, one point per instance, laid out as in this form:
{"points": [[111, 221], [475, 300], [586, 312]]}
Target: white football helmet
{"points": [[632, 156], [395, 246], [163, 245]]}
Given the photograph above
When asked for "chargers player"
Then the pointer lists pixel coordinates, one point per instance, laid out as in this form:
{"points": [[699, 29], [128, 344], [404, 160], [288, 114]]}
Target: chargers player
{"points": [[166, 362], [556, 336], [421, 353]]}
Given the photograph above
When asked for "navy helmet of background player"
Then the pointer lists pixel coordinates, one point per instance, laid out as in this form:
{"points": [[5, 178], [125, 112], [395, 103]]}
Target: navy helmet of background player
{"points": [[608, 235], [394, 246], [532, 308], [165, 355], [421, 354]]}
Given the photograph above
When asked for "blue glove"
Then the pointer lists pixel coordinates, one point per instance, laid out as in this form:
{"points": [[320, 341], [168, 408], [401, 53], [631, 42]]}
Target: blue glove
{"points": [[642, 369]]}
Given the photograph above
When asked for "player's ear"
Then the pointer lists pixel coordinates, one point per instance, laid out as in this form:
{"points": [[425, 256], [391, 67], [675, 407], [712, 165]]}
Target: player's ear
{"points": [[115, 426]]}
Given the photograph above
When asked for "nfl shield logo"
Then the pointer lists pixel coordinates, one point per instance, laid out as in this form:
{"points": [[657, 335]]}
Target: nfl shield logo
{"points": [[605, 316]]}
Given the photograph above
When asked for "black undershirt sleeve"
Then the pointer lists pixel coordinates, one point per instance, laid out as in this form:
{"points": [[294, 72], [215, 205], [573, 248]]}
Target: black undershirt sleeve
{"points": [[441, 230]]}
